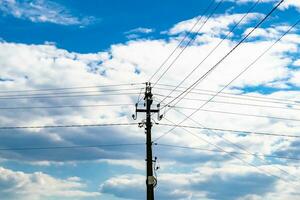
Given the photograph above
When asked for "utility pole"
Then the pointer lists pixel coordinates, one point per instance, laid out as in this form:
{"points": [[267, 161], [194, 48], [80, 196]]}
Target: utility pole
{"points": [[150, 179]]}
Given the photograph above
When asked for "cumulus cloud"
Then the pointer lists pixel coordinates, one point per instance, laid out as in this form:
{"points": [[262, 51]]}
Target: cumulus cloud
{"points": [[291, 3], [46, 66], [206, 182], [19, 185], [217, 25], [285, 5], [297, 63], [140, 30], [137, 32], [42, 11], [295, 78]]}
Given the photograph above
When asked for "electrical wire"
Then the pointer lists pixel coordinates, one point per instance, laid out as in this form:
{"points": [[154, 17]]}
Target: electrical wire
{"points": [[70, 88], [230, 152], [251, 64], [240, 97], [195, 84], [65, 106], [239, 114], [213, 50], [228, 102], [139, 97], [239, 146], [229, 130], [235, 94], [189, 42], [188, 33], [66, 126], [76, 92], [70, 96], [67, 147]]}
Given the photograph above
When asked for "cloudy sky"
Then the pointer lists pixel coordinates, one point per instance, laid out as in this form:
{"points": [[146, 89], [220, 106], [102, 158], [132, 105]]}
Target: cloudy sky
{"points": [[85, 62]]}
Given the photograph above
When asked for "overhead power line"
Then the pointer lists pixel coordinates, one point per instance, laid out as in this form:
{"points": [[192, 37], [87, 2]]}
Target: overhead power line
{"points": [[228, 102], [232, 131], [67, 147], [130, 104], [239, 114], [65, 106], [66, 126], [70, 96], [188, 33], [138, 144], [195, 84], [69, 88], [213, 50], [229, 152], [189, 42], [239, 97], [251, 64], [244, 96], [241, 147], [66, 93]]}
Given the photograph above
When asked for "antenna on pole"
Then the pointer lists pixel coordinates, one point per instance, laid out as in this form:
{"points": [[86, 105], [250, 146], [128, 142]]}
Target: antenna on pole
{"points": [[151, 181]]}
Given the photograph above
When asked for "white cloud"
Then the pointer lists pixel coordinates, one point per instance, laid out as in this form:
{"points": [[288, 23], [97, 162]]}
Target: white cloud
{"points": [[291, 3], [136, 33], [297, 63], [140, 30], [246, 1], [217, 25], [46, 66], [295, 79], [42, 11], [206, 182], [25, 186], [136, 164], [268, 33], [285, 5]]}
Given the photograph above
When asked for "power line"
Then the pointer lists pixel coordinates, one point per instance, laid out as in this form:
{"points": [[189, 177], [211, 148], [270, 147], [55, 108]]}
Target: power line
{"points": [[67, 147], [138, 144], [229, 152], [66, 126], [69, 96], [230, 130], [232, 143], [71, 88], [189, 42], [65, 93], [65, 106], [181, 42], [228, 102], [239, 114], [213, 50], [251, 64], [242, 95], [238, 96], [224, 57]]}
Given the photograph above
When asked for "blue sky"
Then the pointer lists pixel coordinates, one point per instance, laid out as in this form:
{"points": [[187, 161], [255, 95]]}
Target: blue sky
{"points": [[59, 43]]}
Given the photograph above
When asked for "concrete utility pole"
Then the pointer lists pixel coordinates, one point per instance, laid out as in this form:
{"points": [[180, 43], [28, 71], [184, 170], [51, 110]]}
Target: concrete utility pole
{"points": [[150, 180]]}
